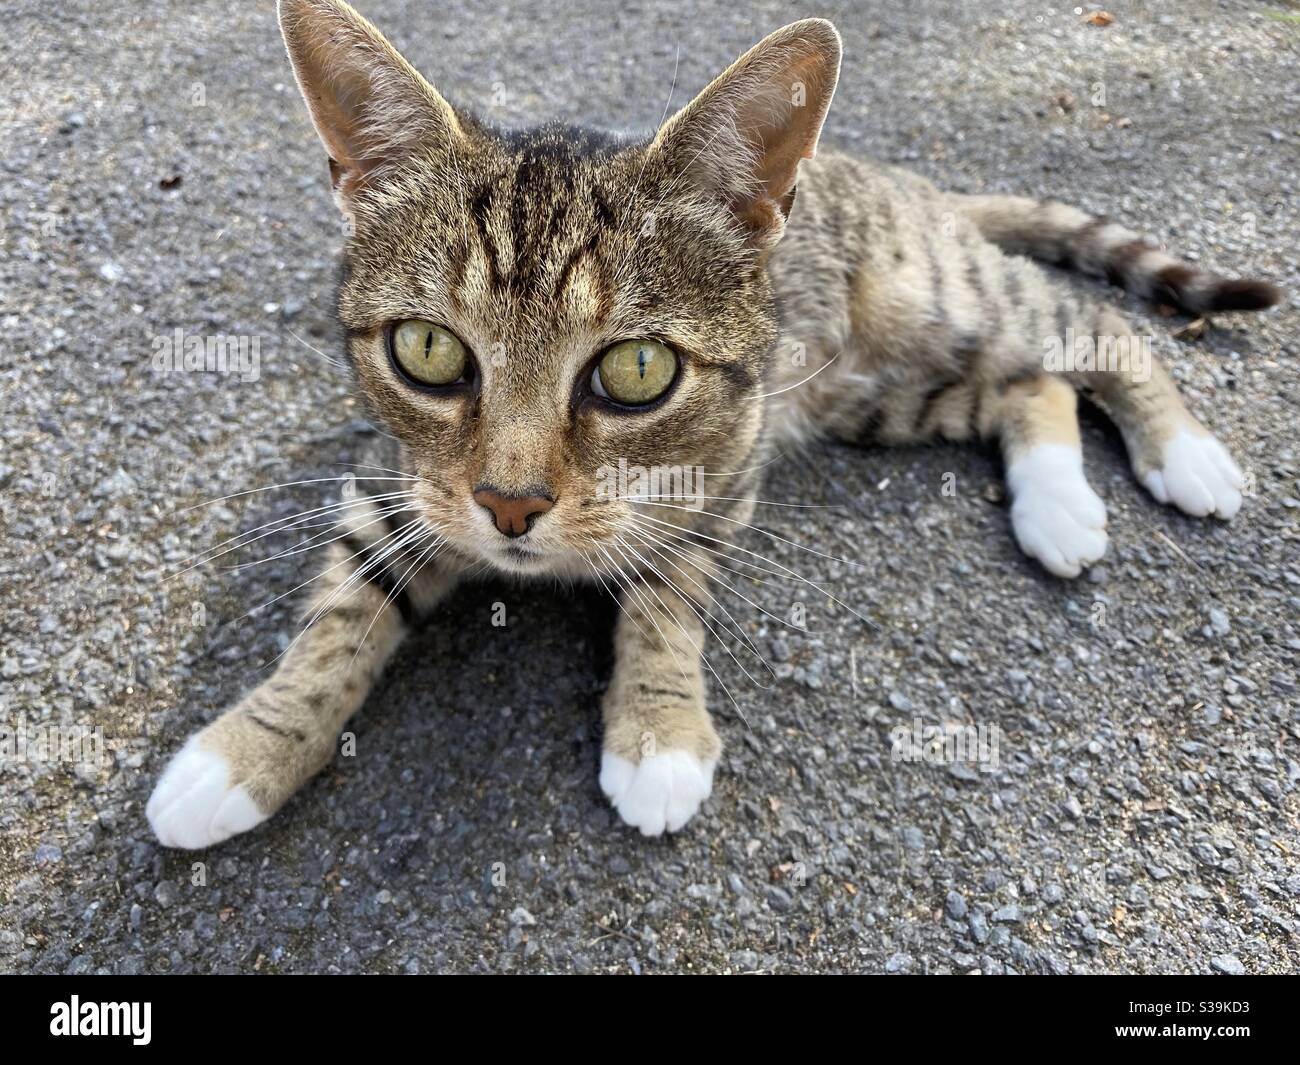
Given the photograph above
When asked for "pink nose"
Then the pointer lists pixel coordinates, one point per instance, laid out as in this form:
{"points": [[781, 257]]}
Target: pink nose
{"points": [[514, 514]]}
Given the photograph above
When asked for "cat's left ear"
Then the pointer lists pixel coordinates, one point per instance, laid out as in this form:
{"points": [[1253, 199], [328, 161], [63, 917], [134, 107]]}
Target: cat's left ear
{"points": [[371, 108], [743, 136]]}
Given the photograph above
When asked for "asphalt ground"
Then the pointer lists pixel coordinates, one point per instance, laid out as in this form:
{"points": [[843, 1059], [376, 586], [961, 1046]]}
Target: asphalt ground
{"points": [[159, 173]]}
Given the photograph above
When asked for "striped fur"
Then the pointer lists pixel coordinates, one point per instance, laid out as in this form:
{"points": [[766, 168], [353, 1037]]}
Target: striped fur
{"points": [[864, 304], [1061, 234]]}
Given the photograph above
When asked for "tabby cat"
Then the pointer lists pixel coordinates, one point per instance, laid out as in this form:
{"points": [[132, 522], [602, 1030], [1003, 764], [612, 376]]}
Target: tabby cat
{"points": [[528, 310]]}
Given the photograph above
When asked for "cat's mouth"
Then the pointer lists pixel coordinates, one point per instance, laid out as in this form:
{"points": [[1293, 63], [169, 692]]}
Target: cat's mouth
{"points": [[521, 552], [475, 532], [522, 558]]}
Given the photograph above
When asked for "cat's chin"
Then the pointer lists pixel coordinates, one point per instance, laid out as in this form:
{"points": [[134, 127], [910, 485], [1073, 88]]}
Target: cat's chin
{"points": [[521, 561]]}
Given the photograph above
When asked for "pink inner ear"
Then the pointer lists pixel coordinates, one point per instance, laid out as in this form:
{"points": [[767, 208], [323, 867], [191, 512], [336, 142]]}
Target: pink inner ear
{"points": [[745, 134], [343, 106], [787, 132], [368, 104]]}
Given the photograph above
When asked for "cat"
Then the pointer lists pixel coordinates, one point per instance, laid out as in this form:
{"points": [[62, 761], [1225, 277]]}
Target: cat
{"points": [[526, 311]]}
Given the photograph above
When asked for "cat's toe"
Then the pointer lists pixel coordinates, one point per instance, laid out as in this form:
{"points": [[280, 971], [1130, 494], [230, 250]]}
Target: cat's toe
{"points": [[661, 792], [195, 805], [1056, 516], [1198, 476], [1058, 539]]}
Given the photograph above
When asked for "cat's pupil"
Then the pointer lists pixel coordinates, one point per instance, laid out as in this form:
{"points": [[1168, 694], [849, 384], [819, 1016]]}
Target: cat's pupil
{"points": [[428, 343], [640, 360]]}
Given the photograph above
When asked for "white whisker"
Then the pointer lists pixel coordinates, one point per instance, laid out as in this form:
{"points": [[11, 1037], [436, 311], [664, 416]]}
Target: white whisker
{"points": [[645, 158], [318, 576], [750, 469], [308, 545], [792, 574], [332, 362], [644, 526], [704, 659], [779, 391], [707, 618], [284, 524], [286, 484], [733, 499], [635, 591], [597, 574], [352, 583], [755, 528], [422, 555], [650, 538]]}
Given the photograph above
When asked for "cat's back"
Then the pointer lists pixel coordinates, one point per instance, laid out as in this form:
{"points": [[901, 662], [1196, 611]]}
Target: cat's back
{"points": [[847, 208]]}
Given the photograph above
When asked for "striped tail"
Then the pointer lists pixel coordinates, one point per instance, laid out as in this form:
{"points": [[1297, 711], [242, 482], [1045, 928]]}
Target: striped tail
{"points": [[1069, 237]]}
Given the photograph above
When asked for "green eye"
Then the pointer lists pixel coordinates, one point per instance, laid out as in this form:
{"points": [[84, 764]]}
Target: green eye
{"points": [[635, 372], [427, 353]]}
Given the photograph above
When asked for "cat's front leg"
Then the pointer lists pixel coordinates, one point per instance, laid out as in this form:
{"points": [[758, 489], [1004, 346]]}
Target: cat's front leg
{"points": [[660, 747], [240, 769]]}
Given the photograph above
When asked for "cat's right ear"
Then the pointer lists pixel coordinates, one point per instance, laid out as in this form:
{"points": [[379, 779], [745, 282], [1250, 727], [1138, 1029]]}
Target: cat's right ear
{"points": [[371, 108]]}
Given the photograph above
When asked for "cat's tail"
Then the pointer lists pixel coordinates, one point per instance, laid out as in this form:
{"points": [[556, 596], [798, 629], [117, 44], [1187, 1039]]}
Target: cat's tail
{"points": [[1058, 233]]}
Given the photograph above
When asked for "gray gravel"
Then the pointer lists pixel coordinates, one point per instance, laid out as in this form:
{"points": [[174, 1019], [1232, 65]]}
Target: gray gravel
{"points": [[159, 173]]}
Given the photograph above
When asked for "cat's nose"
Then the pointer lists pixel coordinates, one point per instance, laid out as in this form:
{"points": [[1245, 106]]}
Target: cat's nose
{"points": [[514, 514]]}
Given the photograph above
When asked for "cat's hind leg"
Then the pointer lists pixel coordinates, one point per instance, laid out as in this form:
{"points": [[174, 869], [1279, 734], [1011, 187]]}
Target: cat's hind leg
{"points": [[1056, 516], [1172, 454], [237, 771]]}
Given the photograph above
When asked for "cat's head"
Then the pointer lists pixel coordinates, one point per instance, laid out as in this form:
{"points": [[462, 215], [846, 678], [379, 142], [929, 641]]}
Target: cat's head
{"points": [[567, 331]]}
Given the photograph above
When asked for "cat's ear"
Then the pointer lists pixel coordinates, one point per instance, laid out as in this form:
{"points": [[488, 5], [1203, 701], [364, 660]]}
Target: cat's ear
{"points": [[371, 108], [743, 136]]}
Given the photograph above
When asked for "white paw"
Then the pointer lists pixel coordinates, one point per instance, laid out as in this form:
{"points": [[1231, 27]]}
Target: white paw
{"points": [[1198, 476], [193, 805], [662, 792], [1057, 517]]}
